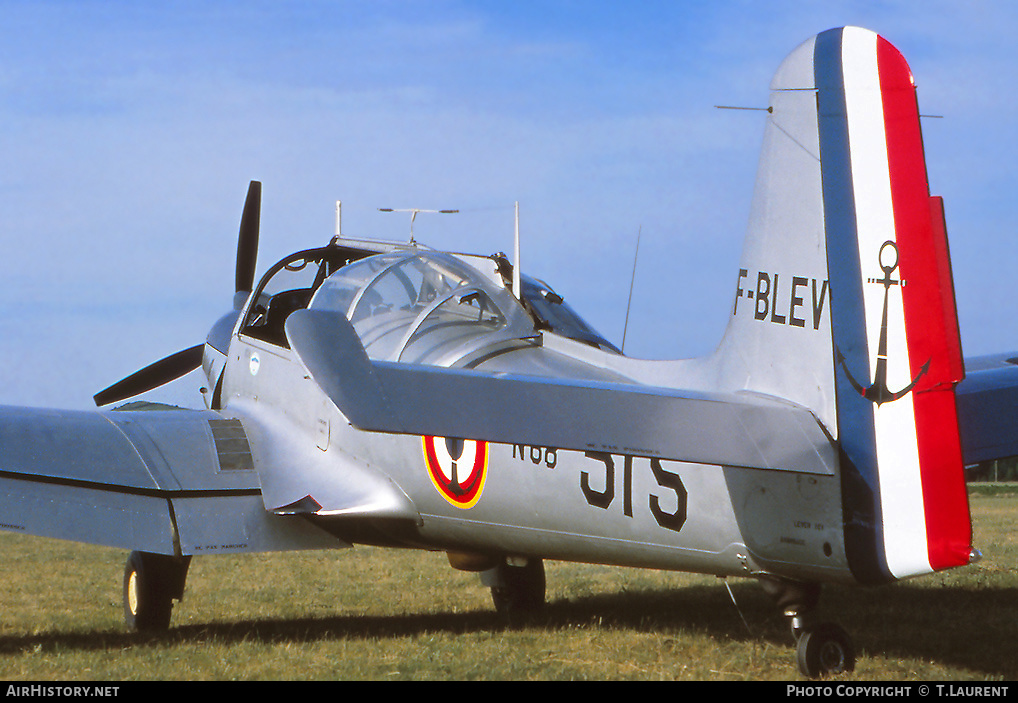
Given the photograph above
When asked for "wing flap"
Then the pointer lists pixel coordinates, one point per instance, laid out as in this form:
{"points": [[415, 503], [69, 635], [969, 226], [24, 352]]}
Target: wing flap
{"points": [[86, 514], [726, 429]]}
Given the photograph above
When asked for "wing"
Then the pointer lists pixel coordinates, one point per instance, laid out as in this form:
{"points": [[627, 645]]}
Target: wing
{"points": [[987, 405], [162, 481], [729, 429]]}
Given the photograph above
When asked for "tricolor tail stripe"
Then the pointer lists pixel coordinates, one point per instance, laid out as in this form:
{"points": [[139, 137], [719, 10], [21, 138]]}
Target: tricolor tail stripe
{"points": [[930, 319], [894, 325]]}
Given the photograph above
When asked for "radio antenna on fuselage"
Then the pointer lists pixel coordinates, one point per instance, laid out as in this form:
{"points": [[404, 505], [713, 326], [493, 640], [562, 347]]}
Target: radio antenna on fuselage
{"points": [[517, 271], [632, 281]]}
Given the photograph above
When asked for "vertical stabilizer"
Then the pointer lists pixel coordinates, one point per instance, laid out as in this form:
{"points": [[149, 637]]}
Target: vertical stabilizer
{"points": [[845, 302]]}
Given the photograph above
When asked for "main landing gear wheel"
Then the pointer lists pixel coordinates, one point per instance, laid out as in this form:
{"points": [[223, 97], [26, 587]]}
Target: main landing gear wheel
{"points": [[151, 583], [825, 650], [516, 588]]}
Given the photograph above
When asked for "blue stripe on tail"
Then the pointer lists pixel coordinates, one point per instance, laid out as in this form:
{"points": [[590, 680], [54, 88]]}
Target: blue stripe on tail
{"points": [[856, 433]]}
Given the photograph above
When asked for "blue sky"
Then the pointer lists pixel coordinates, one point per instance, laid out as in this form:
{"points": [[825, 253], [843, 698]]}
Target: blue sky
{"points": [[130, 131]]}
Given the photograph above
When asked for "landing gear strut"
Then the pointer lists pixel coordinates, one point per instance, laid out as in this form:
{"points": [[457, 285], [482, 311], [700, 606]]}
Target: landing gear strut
{"points": [[151, 583], [822, 648]]}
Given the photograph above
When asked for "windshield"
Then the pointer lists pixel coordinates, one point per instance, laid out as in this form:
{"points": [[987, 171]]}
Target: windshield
{"points": [[288, 286], [556, 315]]}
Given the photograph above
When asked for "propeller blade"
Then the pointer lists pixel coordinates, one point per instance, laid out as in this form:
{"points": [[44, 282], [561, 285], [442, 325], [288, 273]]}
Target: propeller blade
{"points": [[247, 244], [153, 376]]}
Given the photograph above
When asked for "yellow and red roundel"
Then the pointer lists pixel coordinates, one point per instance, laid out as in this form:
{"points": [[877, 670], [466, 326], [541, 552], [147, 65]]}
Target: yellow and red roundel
{"points": [[457, 467]]}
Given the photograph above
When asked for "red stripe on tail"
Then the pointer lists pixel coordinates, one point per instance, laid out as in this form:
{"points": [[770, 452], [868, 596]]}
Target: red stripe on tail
{"points": [[930, 319]]}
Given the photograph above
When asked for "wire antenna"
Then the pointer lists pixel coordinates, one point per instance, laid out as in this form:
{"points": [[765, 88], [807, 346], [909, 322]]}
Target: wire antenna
{"points": [[738, 107], [737, 608]]}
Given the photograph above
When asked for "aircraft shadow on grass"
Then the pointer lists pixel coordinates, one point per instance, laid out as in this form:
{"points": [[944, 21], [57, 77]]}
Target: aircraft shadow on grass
{"points": [[986, 616]]}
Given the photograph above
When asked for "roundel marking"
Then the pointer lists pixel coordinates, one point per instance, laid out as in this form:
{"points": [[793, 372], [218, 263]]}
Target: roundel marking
{"points": [[457, 468]]}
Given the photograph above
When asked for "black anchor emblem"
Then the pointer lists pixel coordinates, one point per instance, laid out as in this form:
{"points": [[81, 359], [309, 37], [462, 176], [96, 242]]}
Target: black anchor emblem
{"points": [[878, 392]]}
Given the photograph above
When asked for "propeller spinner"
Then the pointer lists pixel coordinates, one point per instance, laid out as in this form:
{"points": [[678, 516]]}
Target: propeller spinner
{"points": [[183, 362]]}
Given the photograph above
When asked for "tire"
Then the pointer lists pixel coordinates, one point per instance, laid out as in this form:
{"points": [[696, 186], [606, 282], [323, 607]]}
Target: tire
{"points": [[519, 590], [825, 650], [151, 582]]}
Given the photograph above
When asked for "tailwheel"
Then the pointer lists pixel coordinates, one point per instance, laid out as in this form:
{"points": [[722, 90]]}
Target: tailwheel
{"points": [[822, 649], [151, 583], [825, 650], [517, 586]]}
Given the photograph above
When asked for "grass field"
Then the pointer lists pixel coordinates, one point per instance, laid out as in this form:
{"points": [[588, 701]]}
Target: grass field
{"points": [[385, 615]]}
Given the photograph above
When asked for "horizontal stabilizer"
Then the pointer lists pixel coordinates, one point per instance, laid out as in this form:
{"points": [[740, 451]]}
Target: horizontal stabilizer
{"points": [[987, 407], [725, 429]]}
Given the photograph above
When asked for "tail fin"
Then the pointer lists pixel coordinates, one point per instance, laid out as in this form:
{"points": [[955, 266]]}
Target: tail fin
{"points": [[845, 302]]}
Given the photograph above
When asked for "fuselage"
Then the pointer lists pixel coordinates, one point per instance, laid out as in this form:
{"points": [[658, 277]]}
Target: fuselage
{"points": [[607, 505]]}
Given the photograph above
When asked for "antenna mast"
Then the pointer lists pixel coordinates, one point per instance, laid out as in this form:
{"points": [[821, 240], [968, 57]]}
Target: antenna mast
{"points": [[517, 271], [625, 327]]}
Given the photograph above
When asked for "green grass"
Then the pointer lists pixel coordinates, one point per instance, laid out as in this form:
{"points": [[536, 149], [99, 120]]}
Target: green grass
{"points": [[992, 489], [386, 615]]}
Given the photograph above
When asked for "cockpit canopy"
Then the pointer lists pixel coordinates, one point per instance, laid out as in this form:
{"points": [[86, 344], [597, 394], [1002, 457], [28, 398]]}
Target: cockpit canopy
{"points": [[421, 306], [413, 305]]}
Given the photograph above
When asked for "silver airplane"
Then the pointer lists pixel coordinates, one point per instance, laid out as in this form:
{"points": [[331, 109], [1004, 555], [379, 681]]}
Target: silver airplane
{"points": [[391, 394]]}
